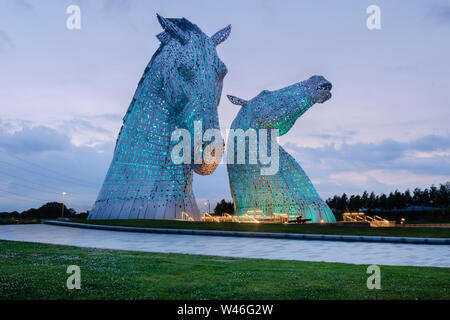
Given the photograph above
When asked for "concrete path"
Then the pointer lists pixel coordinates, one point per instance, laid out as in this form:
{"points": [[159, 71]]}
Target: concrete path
{"points": [[304, 250], [270, 235]]}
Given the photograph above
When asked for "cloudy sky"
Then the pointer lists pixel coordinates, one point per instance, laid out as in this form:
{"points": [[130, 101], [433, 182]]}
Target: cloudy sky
{"points": [[64, 92]]}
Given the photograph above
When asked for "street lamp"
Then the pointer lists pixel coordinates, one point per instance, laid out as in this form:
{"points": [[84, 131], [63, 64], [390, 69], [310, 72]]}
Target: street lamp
{"points": [[62, 209], [209, 209]]}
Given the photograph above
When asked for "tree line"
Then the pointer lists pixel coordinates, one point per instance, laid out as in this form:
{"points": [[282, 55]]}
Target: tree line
{"points": [[50, 210], [434, 197], [224, 207]]}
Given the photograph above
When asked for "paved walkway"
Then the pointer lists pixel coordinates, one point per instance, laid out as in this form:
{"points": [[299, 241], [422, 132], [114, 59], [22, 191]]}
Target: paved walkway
{"points": [[290, 236], [304, 250]]}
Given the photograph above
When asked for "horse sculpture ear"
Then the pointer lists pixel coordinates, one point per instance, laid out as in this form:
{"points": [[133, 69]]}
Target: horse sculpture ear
{"points": [[236, 100], [172, 29], [221, 35], [163, 37]]}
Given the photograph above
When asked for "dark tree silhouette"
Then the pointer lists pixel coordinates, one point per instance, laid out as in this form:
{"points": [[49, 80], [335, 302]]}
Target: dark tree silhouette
{"points": [[224, 207], [434, 197], [50, 210]]}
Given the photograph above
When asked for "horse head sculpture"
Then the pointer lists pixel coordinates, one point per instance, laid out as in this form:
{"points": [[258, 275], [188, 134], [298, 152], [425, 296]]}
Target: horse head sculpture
{"points": [[181, 86], [288, 190]]}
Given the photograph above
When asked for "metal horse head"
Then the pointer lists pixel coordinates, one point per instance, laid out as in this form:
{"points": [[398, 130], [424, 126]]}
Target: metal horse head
{"points": [[280, 109], [192, 76], [287, 190], [180, 87]]}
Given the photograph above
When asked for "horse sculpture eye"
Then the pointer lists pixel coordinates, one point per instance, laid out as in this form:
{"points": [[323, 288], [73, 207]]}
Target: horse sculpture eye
{"points": [[186, 72], [222, 70]]}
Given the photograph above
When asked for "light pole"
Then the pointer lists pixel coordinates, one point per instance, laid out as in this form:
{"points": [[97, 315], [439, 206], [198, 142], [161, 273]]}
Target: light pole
{"points": [[62, 209], [209, 209]]}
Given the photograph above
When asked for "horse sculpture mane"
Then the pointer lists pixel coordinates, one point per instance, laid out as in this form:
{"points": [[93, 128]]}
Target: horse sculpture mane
{"points": [[181, 84], [288, 190]]}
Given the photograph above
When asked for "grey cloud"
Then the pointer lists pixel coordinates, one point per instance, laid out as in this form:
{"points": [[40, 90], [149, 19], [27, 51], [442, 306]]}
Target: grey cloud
{"points": [[34, 139], [95, 122], [341, 136], [430, 143], [79, 171], [109, 116], [440, 14], [93, 130], [37, 163], [85, 124], [388, 154]]}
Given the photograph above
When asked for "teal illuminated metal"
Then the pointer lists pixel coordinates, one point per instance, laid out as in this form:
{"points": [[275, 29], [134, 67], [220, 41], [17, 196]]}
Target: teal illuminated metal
{"points": [[181, 84], [289, 190]]}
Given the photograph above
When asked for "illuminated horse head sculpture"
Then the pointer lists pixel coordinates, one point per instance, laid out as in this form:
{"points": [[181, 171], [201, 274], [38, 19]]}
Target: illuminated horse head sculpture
{"points": [[181, 85], [288, 190]]}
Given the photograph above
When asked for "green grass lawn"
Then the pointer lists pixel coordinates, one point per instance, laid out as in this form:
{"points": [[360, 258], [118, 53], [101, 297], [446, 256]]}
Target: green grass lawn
{"points": [[38, 271], [280, 228]]}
